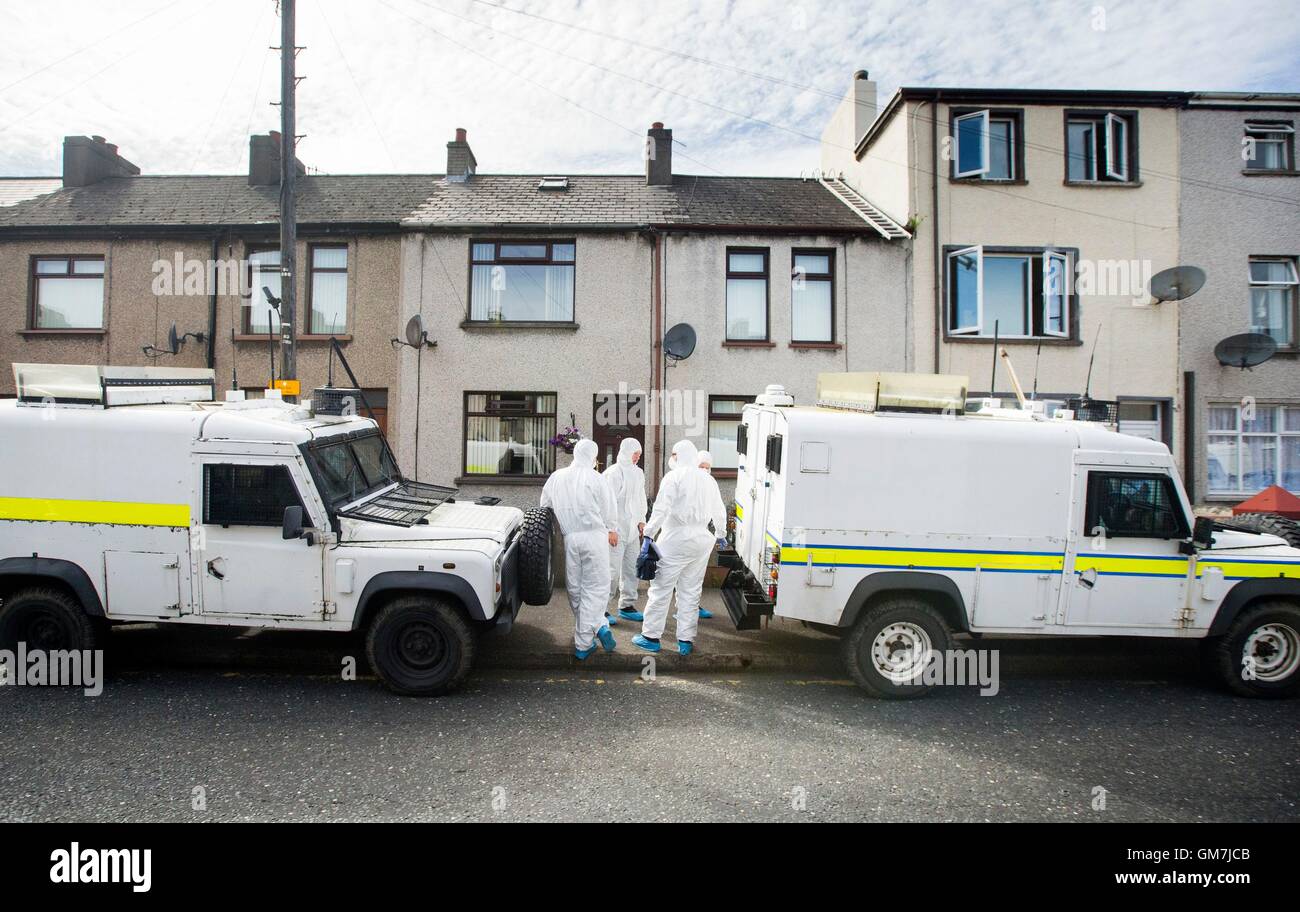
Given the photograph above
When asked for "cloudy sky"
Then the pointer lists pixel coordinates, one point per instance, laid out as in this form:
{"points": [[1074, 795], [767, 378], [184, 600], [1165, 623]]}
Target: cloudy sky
{"points": [[556, 86]]}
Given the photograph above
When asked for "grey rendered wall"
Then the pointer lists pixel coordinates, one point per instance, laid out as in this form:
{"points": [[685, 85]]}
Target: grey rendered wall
{"points": [[1225, 221]]}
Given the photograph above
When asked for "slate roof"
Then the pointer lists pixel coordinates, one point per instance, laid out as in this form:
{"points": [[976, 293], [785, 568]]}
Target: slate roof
{"points": [[426, 201], [15, 190]]}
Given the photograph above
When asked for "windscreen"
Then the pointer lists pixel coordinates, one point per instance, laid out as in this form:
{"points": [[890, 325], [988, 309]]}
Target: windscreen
{"points": [[351, 469]]}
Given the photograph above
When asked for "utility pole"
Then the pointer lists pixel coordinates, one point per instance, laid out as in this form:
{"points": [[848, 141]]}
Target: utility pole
{"points": [[288, 207]]}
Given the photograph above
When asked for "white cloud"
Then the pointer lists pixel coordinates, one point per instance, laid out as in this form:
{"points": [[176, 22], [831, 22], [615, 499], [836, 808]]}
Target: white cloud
{"points": [[180, 90]]}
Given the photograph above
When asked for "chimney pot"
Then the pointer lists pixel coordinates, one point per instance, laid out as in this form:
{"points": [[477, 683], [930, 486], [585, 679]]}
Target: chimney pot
{"points": [[461, 135]]}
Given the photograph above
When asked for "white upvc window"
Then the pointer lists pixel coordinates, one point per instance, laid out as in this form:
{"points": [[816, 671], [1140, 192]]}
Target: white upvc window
{"points": [[1273, 291], [970, 144], [1249, 448], [1013, 293], [1116, 147], [1100, 147], [1269, 146], [1056, 294]]}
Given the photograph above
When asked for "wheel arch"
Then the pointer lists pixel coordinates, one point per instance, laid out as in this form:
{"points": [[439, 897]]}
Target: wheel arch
{"points": [[19, 572], [383, 586], [936, 589], [1247, 593]]}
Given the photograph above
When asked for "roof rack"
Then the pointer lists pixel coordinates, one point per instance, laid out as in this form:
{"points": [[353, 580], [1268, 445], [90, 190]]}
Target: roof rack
{"points": [[89, 386]]}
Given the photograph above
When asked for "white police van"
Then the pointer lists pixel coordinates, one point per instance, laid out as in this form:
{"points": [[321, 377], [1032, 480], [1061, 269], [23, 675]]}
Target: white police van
{"points": [[129, 495], [888, 513]]}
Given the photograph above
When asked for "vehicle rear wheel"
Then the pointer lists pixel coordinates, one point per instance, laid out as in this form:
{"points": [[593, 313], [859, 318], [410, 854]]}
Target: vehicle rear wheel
{"points": [[1260, 654], [420, 646], [536, 570], [45, 618], [890, 646]]}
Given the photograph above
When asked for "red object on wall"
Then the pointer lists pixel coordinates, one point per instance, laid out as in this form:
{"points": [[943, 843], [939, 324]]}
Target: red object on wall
{"points": [[1274, 499]]}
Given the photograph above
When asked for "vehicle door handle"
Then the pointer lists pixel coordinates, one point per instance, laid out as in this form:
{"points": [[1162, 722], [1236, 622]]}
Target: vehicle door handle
{"points": [[1088, 578], [213, 571]]}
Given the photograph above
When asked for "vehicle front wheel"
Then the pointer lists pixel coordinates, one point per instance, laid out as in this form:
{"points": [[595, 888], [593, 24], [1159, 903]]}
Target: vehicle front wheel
{"points": [[45, 618], [420, 646], [890, 646], [1260, 654]]}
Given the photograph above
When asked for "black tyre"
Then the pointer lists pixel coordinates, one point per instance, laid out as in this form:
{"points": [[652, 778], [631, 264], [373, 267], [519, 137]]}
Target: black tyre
{"points": [[45, 618], [1259, 656], [420, 646], [887, 651], [1270, 524], [536, 571]]}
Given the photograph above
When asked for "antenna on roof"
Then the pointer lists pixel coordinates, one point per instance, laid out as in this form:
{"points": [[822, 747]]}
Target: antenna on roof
{"points": [[1087, 383]]}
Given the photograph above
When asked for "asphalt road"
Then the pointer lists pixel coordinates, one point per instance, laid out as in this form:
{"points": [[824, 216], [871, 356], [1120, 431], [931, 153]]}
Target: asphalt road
{"points": [[265, 745]]}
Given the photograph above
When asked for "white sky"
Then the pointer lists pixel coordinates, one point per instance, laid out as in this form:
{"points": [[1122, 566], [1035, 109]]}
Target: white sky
{"points": [[179, 84]]}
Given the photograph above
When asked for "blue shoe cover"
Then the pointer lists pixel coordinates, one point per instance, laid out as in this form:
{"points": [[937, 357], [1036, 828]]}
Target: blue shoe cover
{"points": [[642, 643]]}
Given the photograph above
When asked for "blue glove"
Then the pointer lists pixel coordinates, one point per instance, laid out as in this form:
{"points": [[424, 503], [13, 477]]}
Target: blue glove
{"points": [[722, 543]]}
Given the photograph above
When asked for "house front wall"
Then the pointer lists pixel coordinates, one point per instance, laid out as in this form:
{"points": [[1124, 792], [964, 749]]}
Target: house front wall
{"points": [[1227, 218], [1120, 234], [138, 310], [611, 350]]}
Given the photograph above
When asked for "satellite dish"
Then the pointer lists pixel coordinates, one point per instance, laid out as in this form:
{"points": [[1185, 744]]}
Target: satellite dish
{"points": [[1177, 283], [173, 340], [679, 342], [415, 334], [1245, 350]]}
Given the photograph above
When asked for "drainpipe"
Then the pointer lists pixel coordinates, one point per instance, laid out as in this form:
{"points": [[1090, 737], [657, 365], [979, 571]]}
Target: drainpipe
{"points": [[656, 346], [934, 231], [1189, 435], [212, 308]]}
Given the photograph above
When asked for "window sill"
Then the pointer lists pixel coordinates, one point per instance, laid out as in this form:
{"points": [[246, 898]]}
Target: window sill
{"points": [[1270, 172], [265, 337], [507, 325], [730, 344], [324, 337], [63, 332], [1017, 182], [817, 346], [725, 474], [536, 480], [1043, 340], [1113, 185]]}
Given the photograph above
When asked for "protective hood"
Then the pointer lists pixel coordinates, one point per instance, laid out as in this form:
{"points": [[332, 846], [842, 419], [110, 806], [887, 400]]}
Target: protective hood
{"points": [[585, 454], [704, 459], [626, 449]]}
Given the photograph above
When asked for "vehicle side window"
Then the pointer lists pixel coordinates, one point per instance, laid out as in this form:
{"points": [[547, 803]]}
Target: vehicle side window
{"points": [[774, 453], [247, 495], [1133, 506]]}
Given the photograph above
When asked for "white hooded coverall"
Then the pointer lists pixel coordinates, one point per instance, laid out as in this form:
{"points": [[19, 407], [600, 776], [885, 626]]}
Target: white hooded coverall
{"points": [[585, 510], [687, 502], [627, 482]]}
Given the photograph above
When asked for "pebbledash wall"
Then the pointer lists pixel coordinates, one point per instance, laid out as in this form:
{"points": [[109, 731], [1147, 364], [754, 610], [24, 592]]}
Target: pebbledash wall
{"points": [[611, 348], [1229, 214], [134, 316]]}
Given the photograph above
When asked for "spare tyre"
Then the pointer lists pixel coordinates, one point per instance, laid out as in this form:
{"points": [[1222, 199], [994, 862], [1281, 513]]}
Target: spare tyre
{"points": [[1269, 524], [536, 540]]}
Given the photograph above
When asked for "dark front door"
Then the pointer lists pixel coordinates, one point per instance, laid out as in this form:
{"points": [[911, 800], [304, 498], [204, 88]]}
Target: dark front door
{"points": [[613, 418]]}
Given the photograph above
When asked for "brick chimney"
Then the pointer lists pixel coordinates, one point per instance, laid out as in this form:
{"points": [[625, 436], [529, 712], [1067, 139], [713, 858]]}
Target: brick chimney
{"points": [[659, 156], [461, 163], [264, 160], [90, 159]]}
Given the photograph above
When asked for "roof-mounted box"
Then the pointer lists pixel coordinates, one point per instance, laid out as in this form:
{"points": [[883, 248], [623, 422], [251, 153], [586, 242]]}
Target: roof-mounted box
{"points": [[89, 386], [879, 391]]}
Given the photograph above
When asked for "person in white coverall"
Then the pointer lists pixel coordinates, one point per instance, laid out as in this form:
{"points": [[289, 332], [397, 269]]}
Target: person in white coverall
{"points": [[627, 482], [705, 461], [687, 502], [584, 507]]}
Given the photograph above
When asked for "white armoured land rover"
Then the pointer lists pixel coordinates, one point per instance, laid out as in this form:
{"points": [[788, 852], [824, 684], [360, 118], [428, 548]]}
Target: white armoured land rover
{"points": [[890, 515], [127, 495]]}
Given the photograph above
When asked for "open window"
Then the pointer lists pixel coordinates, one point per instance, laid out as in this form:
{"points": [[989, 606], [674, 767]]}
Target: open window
{"points": [[1056, 294], [966, 289], [1269, 146], [970, 141], [1116, 147]]}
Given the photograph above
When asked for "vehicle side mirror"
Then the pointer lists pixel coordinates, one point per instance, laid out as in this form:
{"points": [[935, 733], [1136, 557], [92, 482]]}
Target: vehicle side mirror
{"points": [[1203, 532], [291, 527]]}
